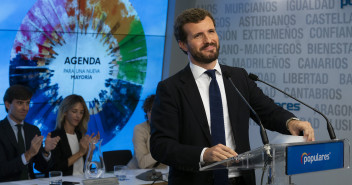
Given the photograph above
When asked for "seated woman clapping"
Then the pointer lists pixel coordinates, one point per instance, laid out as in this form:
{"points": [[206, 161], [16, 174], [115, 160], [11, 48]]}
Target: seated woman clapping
{"points": [[71, 125]]}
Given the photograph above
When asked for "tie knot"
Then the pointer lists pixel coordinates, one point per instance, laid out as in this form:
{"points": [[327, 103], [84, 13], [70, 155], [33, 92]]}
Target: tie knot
{"points": [[211, 73], [19, 126]]}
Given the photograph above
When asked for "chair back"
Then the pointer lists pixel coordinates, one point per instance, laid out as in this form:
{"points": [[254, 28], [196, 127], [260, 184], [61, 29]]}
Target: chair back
{"points": [[116, 157]]}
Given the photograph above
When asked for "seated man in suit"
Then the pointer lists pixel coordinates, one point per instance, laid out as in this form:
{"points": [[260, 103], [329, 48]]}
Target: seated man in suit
{"points": [[21, 142]]}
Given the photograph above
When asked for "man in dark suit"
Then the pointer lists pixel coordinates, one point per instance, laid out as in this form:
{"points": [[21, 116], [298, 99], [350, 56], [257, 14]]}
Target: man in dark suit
{"points": [[182, 133], [21, 142]]}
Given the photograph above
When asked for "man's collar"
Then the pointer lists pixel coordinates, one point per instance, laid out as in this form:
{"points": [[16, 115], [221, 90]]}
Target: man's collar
{"points": [[197, 71], [12, 122]]}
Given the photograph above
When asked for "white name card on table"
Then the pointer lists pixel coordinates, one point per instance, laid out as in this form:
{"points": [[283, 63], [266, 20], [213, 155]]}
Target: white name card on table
{"points": [[101, 181]]}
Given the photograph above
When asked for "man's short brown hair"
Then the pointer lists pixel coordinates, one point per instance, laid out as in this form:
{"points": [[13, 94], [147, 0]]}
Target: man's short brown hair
{"points": [[193, 15], [19, 92]]}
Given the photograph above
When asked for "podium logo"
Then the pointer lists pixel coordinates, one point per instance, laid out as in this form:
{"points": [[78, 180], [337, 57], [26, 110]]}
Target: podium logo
{"points": [[345, 3], [307, 158]]}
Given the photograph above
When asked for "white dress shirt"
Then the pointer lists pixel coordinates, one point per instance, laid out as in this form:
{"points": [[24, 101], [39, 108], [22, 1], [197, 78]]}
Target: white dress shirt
{"points": [[74, 146], [203, 82]]}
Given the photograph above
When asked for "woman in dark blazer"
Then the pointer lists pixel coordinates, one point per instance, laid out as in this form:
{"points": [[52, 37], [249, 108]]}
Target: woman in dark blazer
{"points": [[71, 125]]}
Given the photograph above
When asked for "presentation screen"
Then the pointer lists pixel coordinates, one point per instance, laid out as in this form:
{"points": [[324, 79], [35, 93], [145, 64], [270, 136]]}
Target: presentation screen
{"points": [[108, 51]]}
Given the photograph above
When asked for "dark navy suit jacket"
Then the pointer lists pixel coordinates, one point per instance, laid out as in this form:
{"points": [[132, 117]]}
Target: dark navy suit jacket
{"points": [[180, 128], [11, 163]]}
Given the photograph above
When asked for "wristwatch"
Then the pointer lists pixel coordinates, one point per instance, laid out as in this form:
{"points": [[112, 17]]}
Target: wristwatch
{"points": [[293, 118]]}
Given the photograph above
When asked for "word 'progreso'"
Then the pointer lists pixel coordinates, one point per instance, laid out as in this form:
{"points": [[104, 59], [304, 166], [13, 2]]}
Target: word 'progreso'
{"points": [[82, 60]]}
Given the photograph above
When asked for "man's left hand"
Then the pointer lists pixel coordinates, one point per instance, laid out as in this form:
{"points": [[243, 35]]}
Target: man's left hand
{"points": [[296, 126], [51, 142]]}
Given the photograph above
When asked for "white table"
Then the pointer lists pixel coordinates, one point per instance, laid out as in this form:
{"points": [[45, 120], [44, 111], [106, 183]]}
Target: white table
{"points": [[131, 178]]}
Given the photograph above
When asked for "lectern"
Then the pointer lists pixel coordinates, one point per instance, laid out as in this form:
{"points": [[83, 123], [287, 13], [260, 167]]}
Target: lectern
{"points": [[281, 161]]}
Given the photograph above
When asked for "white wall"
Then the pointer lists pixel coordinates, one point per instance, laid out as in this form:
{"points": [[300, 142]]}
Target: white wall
{"points": [[174, 59]]}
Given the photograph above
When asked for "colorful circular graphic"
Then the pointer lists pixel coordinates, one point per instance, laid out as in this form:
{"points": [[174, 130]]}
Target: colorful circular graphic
{"points": [[93, 48]]}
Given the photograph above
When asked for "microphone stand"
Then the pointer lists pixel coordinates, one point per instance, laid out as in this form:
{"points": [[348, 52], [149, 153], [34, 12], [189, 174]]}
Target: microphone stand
{"points": [[329, 127], [263, 133]]}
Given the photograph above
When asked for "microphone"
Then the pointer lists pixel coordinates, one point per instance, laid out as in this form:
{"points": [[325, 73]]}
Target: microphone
{"points": [[329, 127], [263, 134], [150, 175]]}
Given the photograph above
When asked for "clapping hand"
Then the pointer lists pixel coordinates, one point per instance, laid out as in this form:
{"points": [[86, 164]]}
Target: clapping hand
{"points": [[36, 143], [84, 144], [95, 138], [51, 142]]}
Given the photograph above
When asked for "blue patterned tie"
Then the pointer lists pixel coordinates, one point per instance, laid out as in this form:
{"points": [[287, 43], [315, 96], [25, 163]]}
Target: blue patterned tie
{"points": [[217, 123]]}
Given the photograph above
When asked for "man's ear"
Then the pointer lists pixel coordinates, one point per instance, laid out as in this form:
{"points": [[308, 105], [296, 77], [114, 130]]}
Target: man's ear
{"points": [[183, 46], [7, 105]]}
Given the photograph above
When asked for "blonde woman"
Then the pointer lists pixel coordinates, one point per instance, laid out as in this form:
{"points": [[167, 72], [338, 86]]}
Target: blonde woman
{"points": [[71, 125]]}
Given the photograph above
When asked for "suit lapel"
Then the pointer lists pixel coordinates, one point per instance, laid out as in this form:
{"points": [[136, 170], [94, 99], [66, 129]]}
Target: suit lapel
{"points": [[194, 100], [28, 135], [9, 132], [65, 145]]}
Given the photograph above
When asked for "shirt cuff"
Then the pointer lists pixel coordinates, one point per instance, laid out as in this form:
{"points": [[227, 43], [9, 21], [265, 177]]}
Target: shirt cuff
{"points": [[24, 161], [47, 158], [201, 155]]}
